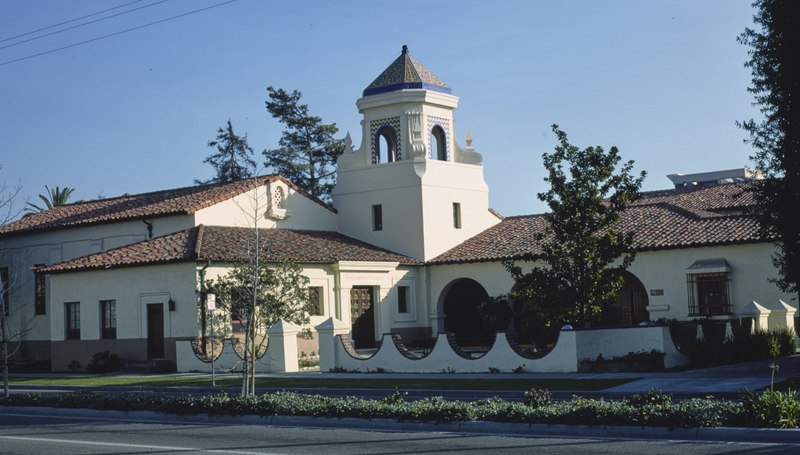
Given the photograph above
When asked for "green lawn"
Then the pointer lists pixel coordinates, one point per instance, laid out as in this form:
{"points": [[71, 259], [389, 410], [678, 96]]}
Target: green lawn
{"points": [[328, 382]]}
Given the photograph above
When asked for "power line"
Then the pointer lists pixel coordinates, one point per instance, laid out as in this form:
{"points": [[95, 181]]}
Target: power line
{"points": [[80, 25], [116, 33], [67, 22]]}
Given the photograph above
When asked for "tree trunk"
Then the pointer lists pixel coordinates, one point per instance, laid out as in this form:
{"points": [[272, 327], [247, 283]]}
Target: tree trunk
{"points": [[246, 366], [4, 334]]}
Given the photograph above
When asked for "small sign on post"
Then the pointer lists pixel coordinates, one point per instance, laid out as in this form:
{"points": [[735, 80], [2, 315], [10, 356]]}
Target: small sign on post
{"points": [[211, 301]]}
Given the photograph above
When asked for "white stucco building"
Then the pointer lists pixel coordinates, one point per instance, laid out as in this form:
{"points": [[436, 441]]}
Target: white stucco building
{"points": [[409, 244]]}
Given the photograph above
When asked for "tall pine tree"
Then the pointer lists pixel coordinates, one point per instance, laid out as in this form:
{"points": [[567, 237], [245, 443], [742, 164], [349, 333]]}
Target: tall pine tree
{"points": [[308, 150], [775, 64], [233, 160]]}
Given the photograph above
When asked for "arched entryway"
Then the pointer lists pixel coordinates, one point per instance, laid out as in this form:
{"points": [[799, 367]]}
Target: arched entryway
{"points": [[460, 302], [631, 306]]}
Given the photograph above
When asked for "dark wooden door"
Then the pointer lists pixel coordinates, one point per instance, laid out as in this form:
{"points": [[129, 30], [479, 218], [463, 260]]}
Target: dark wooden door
{"points": [[155, 331], [639, 311], [362, 316]]}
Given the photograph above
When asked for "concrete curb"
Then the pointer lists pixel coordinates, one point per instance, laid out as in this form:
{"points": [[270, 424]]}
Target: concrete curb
{"points": [[722, 434]]}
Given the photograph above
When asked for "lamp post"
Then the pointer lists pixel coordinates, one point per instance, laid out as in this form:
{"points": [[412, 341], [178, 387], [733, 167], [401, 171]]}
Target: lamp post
{"points": [[211, 305]]}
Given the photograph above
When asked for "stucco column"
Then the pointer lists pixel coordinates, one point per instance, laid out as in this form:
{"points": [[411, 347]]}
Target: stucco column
{"points": [[781, 315], [282, 349], [758, 312], [327, 332]]}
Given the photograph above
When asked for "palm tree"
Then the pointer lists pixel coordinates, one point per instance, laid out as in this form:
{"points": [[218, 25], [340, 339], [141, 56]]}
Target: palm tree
{"points": [[54, 198]]}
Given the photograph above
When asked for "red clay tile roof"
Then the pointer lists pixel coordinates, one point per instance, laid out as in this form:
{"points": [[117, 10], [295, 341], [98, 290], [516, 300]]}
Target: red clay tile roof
{"points": [[179, 201], [230, 244], [662, 219]]}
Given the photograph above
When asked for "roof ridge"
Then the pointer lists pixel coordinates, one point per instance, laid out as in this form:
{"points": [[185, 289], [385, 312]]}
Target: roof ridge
{"points": [[198, 241], [181, 188]]}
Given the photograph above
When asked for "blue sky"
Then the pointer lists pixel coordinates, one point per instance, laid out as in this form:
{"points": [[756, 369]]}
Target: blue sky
{"points": [[662, 80]]}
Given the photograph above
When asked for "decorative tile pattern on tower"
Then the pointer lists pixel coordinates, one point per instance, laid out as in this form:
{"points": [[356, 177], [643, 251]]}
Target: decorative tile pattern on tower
{"points": [[445, 125], [374, 127], [406, 72]]}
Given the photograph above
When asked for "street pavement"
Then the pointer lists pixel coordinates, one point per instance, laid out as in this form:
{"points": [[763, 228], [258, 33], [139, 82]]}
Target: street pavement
{"points": [[36, 431]]}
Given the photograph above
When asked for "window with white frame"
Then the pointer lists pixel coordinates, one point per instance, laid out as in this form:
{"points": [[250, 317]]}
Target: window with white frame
{"points": [[377, 217], [72, 320], [40, 292], [108, 319], [402, 300], [315, 297]]}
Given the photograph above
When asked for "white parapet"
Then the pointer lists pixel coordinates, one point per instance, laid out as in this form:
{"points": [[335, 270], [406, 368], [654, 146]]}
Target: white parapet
{"points": [[572, 348]]}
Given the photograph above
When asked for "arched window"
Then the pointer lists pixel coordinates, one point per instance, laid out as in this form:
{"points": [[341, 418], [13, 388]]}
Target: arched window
{"points": [[438, 144], [386, 145]]}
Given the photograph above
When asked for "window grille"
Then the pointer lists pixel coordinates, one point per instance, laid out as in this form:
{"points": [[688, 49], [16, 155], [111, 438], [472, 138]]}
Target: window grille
{"points": [[709, 294]]}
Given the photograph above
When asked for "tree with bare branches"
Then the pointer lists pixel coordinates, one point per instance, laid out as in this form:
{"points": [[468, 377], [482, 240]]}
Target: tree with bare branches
{"points": [[11, 333]]}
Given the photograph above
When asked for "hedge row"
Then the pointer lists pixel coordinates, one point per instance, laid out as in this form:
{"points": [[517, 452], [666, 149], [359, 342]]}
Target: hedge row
{"points": [[768, 409]]}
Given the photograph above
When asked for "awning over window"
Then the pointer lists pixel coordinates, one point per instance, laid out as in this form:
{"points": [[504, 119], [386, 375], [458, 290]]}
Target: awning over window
{"points": [[709, 266]]}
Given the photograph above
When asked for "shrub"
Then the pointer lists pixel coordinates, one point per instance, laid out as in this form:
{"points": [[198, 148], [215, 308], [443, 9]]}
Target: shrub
{"points": [[74, 366], [765, 346], [772, 408], [537, 397], [395, 397], [652, 398], [308, 362], [652, 360], [104, 362], [651, 409], [744, 347], [787, 341]]}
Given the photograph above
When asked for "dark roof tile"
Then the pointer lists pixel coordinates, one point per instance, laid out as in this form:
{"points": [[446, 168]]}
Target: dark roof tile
{"points": [[231, 244], [179, 201], [716, 215]]}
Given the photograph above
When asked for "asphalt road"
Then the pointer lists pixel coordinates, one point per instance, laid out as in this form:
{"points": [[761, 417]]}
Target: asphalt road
{"points": [[36, 434]]}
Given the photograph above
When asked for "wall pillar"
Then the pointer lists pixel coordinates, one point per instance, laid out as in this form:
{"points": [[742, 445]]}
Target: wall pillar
{"points": [[759, 313], [327, 332], [282, 349], [781, 315]]}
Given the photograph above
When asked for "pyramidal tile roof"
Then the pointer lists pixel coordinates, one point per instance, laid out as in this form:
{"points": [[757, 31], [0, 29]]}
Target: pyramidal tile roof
{"points": [[231, 244], [179, 201], [719, 215], [405, 72]]}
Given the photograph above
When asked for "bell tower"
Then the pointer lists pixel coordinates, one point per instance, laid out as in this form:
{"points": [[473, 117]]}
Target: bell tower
{"points": [[410, 187]]}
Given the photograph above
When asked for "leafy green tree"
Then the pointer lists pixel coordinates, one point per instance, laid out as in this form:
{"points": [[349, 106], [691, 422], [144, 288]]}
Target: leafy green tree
{"points": [[54, 198], [775, 64], [308, 150], [584, 250], [257, 295], [233, 159]]}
